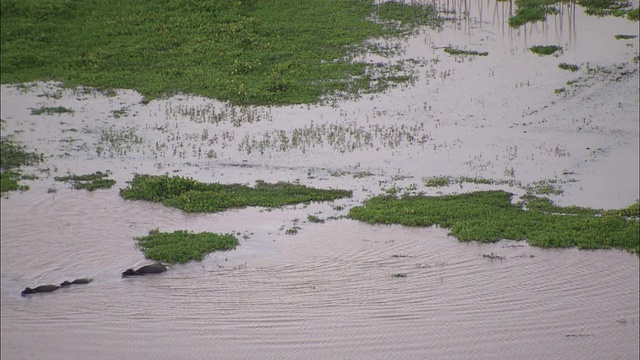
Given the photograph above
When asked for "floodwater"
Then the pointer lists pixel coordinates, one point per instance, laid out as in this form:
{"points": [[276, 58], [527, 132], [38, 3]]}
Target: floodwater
{"points": [[329, 291]]}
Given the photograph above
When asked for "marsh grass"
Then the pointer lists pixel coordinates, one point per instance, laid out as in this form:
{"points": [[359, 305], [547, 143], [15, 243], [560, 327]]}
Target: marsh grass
{"points": [[530, 11], [193, 196], [570, 67], [437, 182], [183, 246], [50, 110], [12, 157], [247, 52], [91, 182], [605, 7], [545, 49], [315, 219], [453, 51], [489, 216]]}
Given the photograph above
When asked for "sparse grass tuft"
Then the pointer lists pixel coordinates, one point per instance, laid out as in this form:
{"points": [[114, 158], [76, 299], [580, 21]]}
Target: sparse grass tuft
{"points": [[91, 182], [51, 110], [570, 67], [12, 157], [453, 51], [437, 182]]}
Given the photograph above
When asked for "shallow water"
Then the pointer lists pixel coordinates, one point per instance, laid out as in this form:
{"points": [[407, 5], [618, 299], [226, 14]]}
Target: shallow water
{"points": [[329, 290]]}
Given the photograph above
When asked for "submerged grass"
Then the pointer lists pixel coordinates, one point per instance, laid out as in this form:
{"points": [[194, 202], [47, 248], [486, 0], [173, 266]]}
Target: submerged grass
{"points": [[12, 157], [50, 110], [488, 216], [183, 246], [193, 196], [248, 52], [453, 51], [91, 182]]}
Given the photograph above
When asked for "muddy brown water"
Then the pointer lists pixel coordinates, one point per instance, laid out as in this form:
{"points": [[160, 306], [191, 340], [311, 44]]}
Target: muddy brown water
{"points": [[329, 291]]}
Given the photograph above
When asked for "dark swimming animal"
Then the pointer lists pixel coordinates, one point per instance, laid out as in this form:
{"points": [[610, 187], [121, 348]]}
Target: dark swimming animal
{"points": [[39, 289], [77, 281], [147, 269]]}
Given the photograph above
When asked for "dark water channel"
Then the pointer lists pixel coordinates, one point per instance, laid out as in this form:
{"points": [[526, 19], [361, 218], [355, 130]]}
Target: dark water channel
{"points": [[339, 289]]}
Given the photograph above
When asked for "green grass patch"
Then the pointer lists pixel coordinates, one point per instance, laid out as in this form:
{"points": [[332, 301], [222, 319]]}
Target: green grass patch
{"points": [[570, 67], [453, 51], [193, 196], [91, 182], [633, 14], [545, 49], [51, 110], [247, 52], [183, 246], [12, 157], [488, 216]]}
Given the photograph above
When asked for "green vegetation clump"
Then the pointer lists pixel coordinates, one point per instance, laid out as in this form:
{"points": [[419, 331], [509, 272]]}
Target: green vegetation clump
{"points": [[193, 196], [488, 216], [530, 11], [12, 157], [570, 67], [91, 182], [545, 49], [50, 110], [315, 219], [183, 246], [605, 7], [624, 37], [453, 51], [633, 14], [247, 52]]}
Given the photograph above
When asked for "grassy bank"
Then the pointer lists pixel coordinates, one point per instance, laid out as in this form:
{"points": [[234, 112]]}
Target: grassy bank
{"points": [[183, 246], [193, 196], [488, 216], [248, 52]]}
